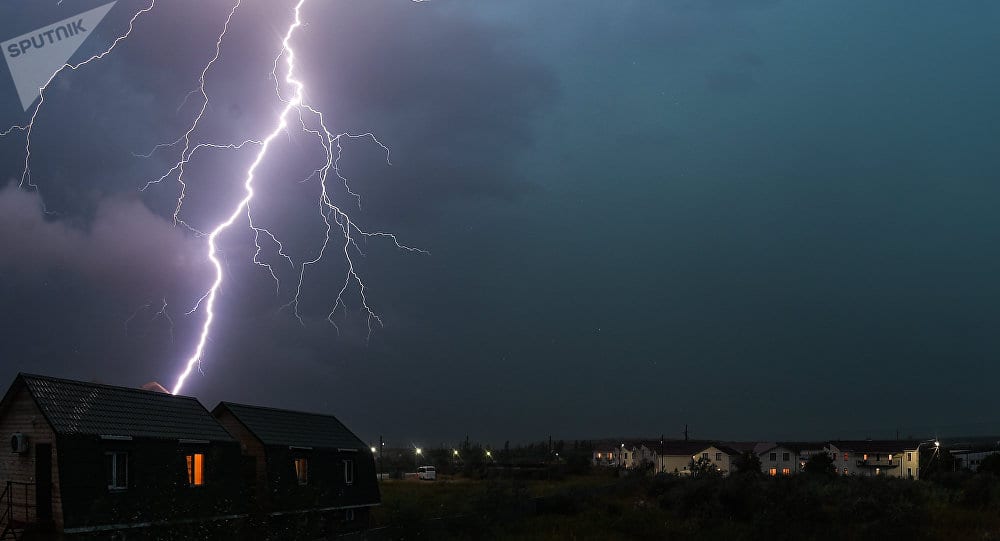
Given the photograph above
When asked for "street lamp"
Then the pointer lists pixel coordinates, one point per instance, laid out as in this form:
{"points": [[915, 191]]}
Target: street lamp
{"points": [[937, 449]]}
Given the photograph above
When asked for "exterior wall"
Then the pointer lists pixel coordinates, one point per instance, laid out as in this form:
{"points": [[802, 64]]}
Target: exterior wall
{"points": [[784, 458], [904, 463], [604, 457], [680, 464], [719, 458], [157, 487], [22, 415], [326, 487], [971, 459], [253, 452]]}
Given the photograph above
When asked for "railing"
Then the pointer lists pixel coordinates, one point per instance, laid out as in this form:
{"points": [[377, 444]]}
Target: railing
{"points": [[6, 511], [19, 507]]}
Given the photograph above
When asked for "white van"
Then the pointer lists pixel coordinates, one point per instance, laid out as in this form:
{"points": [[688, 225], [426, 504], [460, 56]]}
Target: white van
{"points": [[426, 473]]}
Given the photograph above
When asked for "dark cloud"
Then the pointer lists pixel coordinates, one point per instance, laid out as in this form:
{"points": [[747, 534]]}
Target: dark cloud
{"points": [[125, 249]]}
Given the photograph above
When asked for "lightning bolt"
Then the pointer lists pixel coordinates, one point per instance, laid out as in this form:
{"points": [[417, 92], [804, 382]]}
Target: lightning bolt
{"points": [[312, 122], [329, 212]]}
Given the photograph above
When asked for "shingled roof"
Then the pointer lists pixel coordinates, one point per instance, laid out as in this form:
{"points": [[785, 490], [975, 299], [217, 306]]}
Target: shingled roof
{"points": [[294, 428], [79, 408]]}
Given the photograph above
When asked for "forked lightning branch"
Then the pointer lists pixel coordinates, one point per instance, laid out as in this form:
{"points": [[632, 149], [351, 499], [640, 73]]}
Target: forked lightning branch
{"points": [[37, 58]]}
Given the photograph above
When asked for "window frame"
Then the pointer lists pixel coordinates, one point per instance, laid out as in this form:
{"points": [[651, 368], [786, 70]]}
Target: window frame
{"points": [[301, 474], [349, 471], [192, 462], [112, 477]]}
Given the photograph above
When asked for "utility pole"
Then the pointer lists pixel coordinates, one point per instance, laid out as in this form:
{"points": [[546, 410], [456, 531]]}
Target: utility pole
{"points": [[381, 446]]}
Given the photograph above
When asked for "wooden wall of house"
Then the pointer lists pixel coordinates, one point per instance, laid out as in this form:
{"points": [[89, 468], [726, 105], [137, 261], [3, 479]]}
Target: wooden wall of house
{"points": [[326, 486], [22, 415], [157, 490], [253, 451]]}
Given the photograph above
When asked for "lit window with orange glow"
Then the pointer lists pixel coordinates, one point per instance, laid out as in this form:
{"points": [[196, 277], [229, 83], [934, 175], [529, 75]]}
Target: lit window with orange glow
{"points": [[772, 472], [196, 469], [846, 457], [302, 470], [786, 471], [864, 456]]}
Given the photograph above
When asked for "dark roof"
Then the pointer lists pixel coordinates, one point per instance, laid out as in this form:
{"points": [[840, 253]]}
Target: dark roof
{"points": [[79, 408], [798, 446], [683, 448], [741, 446], [293, 428], [724, 448], [877, 446]]}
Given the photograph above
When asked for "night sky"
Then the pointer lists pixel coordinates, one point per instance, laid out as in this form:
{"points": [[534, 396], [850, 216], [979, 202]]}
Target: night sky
{"points": [[766, 219]]}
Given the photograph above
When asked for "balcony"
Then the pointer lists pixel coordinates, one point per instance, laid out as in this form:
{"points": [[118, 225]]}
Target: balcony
{"points": [[877, 464]]}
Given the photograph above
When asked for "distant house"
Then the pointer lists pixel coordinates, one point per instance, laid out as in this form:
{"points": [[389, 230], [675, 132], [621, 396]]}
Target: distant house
{"points": [[789, 457], [604, 454], [720, 456], [969, 455], [91, 458], [870, 458], [303, 463], [676, 456]]}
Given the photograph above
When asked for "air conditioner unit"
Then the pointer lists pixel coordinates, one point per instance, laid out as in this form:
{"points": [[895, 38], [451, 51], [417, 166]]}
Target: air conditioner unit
{"points": [[19, 443]]}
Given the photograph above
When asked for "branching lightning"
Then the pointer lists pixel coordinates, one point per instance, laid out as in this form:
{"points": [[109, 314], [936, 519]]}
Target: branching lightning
{"points": [[295, 112]]}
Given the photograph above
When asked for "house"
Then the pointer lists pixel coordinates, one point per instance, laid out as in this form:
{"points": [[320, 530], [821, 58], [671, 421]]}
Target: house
{"points": [[604, 454], [92, 458], [869, 458], [676, 457], [298, 463], [720, 456], [789, 457], [969, 455]]}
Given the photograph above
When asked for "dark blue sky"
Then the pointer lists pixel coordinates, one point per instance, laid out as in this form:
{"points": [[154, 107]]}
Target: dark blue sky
{"points": [[765, 219]]}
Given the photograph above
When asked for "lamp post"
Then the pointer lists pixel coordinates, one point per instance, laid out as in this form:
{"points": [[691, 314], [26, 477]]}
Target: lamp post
{"points": [[417, 452], [937, 449]]}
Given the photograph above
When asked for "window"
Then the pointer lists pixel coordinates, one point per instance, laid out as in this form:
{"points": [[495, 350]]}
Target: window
{"points": [[890, 458], [774, 457], [116, 470], [786, 471], [864, 456], [878, 471], [704, 455], [784, 457], [846, 457], [909, 473], [626, 456], [718, 456], [845, 471], [196, 469], [349, 471], [909, 457], [878, 457], [302, 470], [349, 515], [772, 472]]}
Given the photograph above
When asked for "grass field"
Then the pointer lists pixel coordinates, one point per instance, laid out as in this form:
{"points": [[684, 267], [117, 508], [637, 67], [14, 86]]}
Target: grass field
{"points": [[603, 507]]}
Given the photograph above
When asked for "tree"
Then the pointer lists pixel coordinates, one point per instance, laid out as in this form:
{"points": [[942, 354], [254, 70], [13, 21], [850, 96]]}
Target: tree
{"points": [[820, 464], [704, 467], [747, 463]]}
